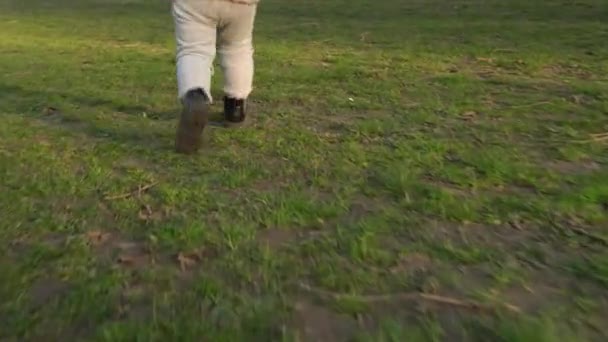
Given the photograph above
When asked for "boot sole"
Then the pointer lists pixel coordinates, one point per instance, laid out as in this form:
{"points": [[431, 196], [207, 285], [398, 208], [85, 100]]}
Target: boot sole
{"points": [[191, 125]]}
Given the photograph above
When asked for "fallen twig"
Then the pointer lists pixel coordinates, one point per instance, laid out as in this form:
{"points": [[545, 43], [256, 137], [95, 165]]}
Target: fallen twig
{"points": [[524, 105], [599, 137], [534, 104], [504, 50], [531, 262], [411, 296], [185, 261], [597, 238], [466, 304], [138, 192]]}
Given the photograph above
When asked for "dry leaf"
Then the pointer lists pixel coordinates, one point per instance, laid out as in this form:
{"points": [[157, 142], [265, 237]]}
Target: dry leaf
{"points": [[97, 237], [364, 37], [49, 111], [415, 262], [185, 261], [145, 213], [486, 59], [127, 246], [577, 99], [126, 260], [516, 224], [599, 137], [468, 116]]}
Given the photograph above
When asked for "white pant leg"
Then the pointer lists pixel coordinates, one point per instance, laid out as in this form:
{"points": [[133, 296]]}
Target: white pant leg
{"points": [[236, 48], [195, 32]]}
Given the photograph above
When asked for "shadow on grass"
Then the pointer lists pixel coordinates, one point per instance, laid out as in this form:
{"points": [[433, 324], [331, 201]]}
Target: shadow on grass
{"points": [[47, 107], [423, 24], [43, 99], [63, 111]]}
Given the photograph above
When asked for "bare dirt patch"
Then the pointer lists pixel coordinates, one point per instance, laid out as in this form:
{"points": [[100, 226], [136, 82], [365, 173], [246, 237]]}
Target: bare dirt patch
{"points": [[45, 289], [274, 238], [316, 323], [414, 262], [503, 235], [114, 248], [581, 167]]}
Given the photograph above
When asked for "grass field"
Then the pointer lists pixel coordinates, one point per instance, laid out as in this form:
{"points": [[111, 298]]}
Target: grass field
{"points": [[416, 170]]}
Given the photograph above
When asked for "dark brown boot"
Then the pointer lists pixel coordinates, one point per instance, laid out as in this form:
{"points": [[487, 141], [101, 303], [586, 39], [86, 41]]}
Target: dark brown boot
{"points": [[194, 118], [235, 111]]}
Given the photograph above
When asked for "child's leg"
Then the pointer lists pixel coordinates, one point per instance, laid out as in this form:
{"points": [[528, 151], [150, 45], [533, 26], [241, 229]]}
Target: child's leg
{"points": [[236, 48], [195, 31]]}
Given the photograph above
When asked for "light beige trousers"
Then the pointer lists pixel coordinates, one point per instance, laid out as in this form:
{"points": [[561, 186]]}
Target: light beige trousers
{"points": [[201, 26]]}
